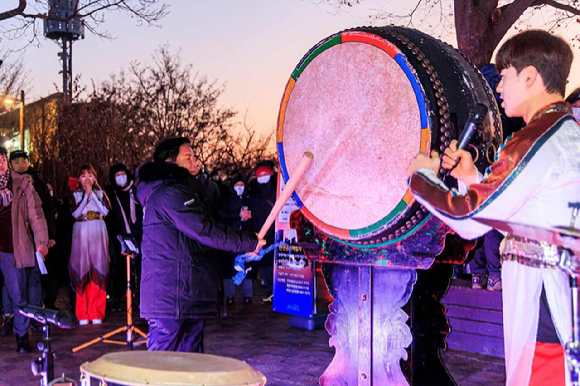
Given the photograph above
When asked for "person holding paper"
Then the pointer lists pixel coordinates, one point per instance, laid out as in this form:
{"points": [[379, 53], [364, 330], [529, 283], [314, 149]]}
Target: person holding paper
{"points": [[20, 211]]}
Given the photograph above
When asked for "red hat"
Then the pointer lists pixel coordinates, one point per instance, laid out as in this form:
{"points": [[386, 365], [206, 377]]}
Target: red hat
{"points": [[73, 183], [264, 169]]}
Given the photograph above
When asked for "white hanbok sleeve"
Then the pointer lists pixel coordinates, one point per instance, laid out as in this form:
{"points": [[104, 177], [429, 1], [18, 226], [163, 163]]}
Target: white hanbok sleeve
{"points": [[99, 195], [81, 201]]}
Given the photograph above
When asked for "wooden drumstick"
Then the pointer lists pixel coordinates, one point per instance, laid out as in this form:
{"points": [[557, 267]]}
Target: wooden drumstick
{"points": [[303, 165]]}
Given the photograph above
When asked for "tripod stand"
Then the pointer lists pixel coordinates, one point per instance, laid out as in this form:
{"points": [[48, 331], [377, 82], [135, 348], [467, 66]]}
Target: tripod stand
{"points": [[129, 329]]}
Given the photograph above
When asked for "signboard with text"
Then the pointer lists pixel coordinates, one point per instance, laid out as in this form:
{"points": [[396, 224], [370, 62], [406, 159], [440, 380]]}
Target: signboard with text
{"points": [[293, 272]]}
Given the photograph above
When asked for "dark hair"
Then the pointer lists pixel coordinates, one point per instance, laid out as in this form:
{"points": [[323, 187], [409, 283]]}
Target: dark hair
{"points": [[549, 54], [574, 96], [3, 151], [168, 149]]}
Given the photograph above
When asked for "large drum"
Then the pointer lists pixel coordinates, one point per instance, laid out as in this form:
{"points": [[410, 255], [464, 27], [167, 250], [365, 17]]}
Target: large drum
{"points": [[155, 368], [365, 102]]}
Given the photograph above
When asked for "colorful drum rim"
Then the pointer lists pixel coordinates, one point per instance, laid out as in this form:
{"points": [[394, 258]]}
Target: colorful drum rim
{"points": [[343, 235]]}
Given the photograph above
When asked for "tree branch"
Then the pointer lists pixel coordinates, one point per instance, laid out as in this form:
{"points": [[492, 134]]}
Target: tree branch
{"points": [[91, 12], [510, 14], [563, 7], [19, 10]]}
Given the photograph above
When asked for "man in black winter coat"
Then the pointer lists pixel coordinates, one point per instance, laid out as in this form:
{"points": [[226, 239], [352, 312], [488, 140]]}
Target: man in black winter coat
{"points": [[179, 277]]}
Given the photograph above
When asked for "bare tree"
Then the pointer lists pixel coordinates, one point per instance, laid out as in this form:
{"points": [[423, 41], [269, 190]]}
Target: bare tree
{"points": [[13, 78], [24, 18], [479, 25], [244, 150], [169, 99], [123, 118]]}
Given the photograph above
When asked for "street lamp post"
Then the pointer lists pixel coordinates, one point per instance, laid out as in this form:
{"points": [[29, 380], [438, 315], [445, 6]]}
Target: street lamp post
{"points": [[11, 101], [22, 120]]}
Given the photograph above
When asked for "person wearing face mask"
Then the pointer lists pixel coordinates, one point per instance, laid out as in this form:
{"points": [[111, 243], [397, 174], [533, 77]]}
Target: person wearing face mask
{"points": [[261, 199], [233, 212], [20, 212], [89, 260], [126, 219]]}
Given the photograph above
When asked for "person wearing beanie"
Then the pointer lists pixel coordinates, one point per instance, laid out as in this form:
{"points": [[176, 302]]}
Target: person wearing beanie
{"points": [[261, 199], [126, 219]]}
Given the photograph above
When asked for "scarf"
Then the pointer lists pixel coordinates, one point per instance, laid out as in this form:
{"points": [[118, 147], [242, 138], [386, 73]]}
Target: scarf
{"points": [[131, 206], [5, 193]]}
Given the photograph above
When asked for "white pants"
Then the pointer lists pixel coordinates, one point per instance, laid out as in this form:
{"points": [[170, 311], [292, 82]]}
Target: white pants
{"points": [[522, 287]]}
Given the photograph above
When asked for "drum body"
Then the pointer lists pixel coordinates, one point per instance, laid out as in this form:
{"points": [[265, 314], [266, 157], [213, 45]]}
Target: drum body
{"points": [[156, 368], [365, 102]]}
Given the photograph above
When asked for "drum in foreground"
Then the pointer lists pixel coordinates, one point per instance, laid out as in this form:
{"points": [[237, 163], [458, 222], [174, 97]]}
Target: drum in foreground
{"points": [[152, 368], [365, 102]]}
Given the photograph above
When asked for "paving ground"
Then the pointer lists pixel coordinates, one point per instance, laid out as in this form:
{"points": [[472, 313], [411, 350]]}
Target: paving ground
{"points": [[285, 355]]}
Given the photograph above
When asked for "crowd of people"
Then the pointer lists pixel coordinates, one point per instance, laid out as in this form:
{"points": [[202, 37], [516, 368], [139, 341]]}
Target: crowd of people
{"points": [[78, 239]]}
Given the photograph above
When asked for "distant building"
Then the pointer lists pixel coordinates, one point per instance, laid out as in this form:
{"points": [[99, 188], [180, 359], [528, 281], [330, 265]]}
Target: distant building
{"points": [[40, 123]]}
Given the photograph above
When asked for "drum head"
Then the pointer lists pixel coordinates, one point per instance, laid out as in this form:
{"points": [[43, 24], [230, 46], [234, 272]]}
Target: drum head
{"points": [[359, 109], [171, 368]]}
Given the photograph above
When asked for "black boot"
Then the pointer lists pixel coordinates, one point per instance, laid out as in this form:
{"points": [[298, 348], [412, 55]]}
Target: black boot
{"points": [[22, 344], [6, 328]]}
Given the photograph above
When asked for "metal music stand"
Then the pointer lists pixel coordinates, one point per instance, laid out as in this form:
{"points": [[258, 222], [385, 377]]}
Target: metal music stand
{"points": [[132, 332], [43, 366]]}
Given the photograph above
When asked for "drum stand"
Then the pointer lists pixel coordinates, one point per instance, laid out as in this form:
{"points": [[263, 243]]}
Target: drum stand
{"points": [[570, 264], [129, 329], [43, 367]]}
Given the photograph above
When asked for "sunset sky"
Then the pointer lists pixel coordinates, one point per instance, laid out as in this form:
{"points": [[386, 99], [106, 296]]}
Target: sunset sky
{"points": [[252, 46]]}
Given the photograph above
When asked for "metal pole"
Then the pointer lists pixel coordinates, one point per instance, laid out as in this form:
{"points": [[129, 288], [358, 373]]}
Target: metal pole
{"points": [[64, 56], [22, 141], [47, 356], [573, 347], [70, 74]]}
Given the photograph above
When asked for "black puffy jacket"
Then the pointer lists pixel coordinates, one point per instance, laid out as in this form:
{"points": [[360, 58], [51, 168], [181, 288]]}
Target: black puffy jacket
{"points": [[179, 277]]}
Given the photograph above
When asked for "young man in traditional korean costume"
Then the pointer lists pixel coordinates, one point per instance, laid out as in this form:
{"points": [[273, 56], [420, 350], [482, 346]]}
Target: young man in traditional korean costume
{"points": [[535, 176]]}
